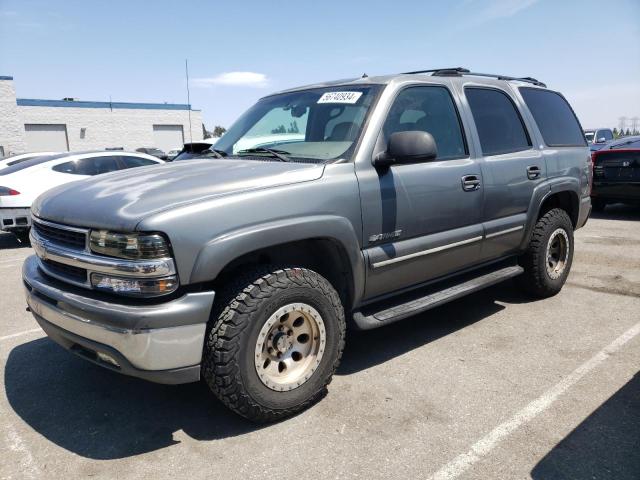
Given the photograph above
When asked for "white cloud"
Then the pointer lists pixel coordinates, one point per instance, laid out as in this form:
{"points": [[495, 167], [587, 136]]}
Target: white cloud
{"points": [[486, 10], [236, 79]]}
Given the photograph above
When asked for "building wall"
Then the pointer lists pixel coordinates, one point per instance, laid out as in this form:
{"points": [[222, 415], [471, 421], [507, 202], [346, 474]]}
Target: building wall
{"points": [[129, 128], [11, 126]]}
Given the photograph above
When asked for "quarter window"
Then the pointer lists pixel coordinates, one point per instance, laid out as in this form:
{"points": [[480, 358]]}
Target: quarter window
{"points": [[557, 122], [428, 109], [499, 124]]}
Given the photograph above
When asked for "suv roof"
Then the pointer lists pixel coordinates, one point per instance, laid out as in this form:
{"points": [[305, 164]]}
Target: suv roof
{"points": [[437, 75]]}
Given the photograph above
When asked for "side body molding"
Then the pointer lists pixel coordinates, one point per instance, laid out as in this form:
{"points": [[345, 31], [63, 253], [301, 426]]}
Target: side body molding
{"points": [[221, 250]]}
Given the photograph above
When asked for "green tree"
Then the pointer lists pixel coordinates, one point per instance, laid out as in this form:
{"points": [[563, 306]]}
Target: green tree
{"points": [[616, 134], [218, 131], [627, 133], [205, 134]]}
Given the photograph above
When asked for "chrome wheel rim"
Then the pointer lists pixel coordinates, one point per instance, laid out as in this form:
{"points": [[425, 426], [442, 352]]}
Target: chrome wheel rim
{"points": [[557, 253], [290, 347]]}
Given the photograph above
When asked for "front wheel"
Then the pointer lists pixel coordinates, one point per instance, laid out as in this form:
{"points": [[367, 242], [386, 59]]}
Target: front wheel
{"points": [[274, 343], [548, 258]]}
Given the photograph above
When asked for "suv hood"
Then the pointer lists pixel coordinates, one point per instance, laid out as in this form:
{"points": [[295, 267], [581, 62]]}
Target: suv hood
{"points": [[120, 200]]}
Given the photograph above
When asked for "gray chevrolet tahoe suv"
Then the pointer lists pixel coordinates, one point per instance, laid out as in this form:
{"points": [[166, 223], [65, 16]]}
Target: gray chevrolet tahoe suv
{"points": [[359, 202]]}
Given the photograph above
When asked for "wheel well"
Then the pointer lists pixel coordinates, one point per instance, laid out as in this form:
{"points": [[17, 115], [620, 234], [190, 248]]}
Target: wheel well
{"points": [[322, 255], [567, 201]]}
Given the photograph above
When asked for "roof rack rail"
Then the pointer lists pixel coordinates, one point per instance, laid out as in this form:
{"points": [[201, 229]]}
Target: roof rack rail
{"points": [[460, 71], [457, 70]]}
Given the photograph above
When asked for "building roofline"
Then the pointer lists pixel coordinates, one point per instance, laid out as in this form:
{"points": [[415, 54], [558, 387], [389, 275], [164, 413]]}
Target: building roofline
{"points": [[5, 77], [34, 102]]}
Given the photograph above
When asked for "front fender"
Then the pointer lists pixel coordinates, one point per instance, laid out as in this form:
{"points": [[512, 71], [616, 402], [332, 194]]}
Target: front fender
{"points": [[221, 250]]}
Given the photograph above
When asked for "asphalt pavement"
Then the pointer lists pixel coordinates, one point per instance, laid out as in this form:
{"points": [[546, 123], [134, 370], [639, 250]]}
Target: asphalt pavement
{"points": [[490, 386]]}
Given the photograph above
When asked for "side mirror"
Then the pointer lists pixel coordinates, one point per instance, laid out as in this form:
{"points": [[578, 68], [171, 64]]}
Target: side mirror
{"points": [[407, 147], [601, 140]]}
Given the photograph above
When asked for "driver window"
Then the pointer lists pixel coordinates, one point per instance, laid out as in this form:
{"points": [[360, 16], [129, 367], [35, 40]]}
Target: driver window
{"points": [[428, 109]]}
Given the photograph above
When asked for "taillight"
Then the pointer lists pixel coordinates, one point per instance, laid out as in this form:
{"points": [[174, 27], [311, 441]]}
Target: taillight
{"points": [[6, 192]]}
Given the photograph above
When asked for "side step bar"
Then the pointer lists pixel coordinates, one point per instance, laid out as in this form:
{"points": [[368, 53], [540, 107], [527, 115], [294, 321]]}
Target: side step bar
{"points": [[414, 303]]}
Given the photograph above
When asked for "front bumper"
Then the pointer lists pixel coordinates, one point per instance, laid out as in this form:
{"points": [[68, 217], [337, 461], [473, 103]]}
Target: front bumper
{"points": [[159, 342], [15, 219]]}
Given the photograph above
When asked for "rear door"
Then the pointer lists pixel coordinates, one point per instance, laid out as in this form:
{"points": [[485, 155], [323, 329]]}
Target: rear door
{"points": [[512, 167]]}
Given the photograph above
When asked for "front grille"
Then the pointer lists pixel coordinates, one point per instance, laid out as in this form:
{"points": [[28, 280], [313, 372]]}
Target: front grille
{"points": [[66, 271], [61, 236]]}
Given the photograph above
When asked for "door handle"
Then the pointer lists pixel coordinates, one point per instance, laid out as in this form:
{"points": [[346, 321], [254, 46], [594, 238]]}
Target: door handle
{"points": [[470, 183], [533, 172]]}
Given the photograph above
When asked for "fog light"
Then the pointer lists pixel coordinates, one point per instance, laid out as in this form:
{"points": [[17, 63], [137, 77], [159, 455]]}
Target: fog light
{"points": [[134, 286]]}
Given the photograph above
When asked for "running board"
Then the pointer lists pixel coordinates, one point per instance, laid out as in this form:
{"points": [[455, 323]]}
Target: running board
{"points": [[414, 303]]}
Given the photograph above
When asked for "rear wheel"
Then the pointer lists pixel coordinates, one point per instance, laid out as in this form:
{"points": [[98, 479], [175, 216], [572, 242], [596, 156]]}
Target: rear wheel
{"points": [[275, 343], [548, 258]]}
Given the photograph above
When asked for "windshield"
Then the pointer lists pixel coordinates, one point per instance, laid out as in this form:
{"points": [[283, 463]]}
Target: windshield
{"points": [[313, 125]]}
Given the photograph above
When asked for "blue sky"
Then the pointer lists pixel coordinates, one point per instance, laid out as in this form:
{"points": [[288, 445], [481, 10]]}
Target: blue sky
{"points": [[239, 51]]}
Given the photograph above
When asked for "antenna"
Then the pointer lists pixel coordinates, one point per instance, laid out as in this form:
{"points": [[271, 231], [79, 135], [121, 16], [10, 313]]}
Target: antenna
{"points": [[186, 71]]}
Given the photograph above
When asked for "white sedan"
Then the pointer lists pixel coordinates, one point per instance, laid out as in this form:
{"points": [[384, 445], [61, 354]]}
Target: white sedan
{"points": [[23, 181]]}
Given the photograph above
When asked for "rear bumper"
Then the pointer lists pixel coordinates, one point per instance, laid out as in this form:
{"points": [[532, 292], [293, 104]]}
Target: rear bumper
{"points": [[620, 191], [15, 218], [160, 342]]}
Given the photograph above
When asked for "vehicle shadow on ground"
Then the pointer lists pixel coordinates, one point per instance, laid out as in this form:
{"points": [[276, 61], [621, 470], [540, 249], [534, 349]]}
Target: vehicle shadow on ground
{"points": [[100, 414], [618, 211], [605, 445], [10, 241]]}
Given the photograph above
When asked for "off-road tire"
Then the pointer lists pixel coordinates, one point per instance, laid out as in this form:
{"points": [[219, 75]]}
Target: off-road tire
{"points": [[536, 280], [598, 204], [240, 312]]}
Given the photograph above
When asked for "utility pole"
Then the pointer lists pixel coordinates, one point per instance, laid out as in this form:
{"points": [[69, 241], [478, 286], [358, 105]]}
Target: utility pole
{"points": [[186, 71], [634, 125], [622, 123]]}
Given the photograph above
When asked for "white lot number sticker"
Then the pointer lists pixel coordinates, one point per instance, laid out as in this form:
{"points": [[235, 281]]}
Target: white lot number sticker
{"points": [[340, 97]]}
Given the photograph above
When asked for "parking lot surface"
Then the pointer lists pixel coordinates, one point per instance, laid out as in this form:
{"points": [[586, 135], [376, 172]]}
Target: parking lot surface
{"points": [[491, 386]]}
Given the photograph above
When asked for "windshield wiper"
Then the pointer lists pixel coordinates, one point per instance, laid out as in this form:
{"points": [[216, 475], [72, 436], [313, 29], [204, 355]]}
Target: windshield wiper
{"points": [[279, 154], [216, 153]]}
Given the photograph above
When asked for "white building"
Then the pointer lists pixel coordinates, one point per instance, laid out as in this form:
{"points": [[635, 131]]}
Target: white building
{"points": [[29, 125]]}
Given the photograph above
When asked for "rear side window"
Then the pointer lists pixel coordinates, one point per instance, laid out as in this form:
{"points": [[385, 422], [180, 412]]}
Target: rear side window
{"points": [[499, 124], [131, 162], [88, 166], [557, 122]]}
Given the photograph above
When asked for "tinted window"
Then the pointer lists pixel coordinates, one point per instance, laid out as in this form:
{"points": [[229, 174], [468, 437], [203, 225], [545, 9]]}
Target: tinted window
{"points": [[606, 134], [556, 121], [428, 109], [88, 166], [499, 125], [31, 162], [132, 162]]}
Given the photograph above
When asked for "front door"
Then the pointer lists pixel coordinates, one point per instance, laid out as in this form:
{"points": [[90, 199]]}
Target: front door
{"points": [[421, 221]]}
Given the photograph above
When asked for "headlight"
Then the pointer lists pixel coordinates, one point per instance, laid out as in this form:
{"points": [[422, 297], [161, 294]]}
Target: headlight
{"points": [[134, 246], [134, 286]]}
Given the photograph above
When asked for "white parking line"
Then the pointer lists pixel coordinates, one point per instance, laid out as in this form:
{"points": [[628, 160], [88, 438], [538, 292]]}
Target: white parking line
{"points": [[483, 447], [19, 334]]}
